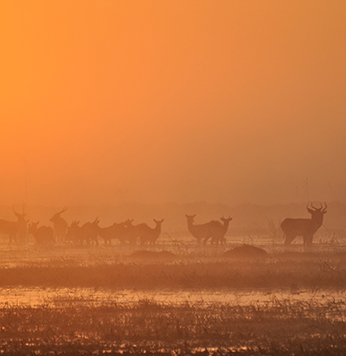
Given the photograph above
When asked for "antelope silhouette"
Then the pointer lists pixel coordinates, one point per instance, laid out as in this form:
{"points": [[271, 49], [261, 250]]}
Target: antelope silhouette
{"points": [[60, 225], [150, 235], [115, 231], [43, 235], [304, 227], [218, 231], [16, 230], [132, 232], [202, 232], [22, 225], [88, 232]]}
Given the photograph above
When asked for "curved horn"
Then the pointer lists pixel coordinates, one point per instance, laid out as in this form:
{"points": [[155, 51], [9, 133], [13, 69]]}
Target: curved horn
{"points": [[315, 207], [325, 207], [16, 213], [63, 210]]}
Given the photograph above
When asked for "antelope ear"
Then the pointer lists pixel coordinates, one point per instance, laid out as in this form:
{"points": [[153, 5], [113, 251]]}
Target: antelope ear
{"points": [[310, 210]]}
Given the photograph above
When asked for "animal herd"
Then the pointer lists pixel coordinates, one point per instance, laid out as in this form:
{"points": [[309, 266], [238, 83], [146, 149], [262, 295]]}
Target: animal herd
{"points": [[128, 233]]}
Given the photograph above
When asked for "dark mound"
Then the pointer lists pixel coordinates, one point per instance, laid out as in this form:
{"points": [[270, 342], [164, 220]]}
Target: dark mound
{"points": [[153, 255], [246, 251]]}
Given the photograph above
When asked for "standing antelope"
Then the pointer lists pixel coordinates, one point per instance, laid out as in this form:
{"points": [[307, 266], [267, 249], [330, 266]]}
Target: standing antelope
{"points": [[201, 232], [150, 235], [115, 231], [304, 227], [218, 231], [43, 235], [60, 225], [131, 233], [15, 229], [22, 224], [88, 232]]}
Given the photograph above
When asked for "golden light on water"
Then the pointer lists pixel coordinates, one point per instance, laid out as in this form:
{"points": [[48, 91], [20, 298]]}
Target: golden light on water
{"points": [[159, 112]]}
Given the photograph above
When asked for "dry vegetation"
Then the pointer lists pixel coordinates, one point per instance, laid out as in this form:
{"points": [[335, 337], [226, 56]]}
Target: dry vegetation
{"points": [[280, 270], [276, 325]]}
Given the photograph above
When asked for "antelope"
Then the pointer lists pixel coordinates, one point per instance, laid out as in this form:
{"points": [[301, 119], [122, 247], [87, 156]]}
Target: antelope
{"points": [[132, 232], [60, 225], [115, 231], [88, 232], [15, 229], [201, 232], [218, 232], [22, 223], [43, 235], [73, 232], [150, 235], [304, 227]]}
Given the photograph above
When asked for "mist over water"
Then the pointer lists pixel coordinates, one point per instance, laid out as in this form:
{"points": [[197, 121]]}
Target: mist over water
{"points": [[149, 112]]}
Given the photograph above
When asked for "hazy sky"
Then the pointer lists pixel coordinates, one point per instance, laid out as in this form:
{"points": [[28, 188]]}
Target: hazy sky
{"points": [[113, 101]]}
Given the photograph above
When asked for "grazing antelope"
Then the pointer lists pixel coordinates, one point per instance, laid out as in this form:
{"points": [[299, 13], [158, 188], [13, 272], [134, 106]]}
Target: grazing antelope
{"points": [[304, 227], [150, 235], [218, 231], [88, 232], [15, 229], [60, 225], [201, 232], [44, 235], [115, 231]]}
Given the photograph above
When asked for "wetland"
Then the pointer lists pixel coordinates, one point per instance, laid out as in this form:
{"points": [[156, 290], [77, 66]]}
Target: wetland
{"points": [[172, 300]]}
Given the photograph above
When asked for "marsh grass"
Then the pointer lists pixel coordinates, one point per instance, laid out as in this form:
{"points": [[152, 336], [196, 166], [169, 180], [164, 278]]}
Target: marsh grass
{"points": [[311, 271], [77, 326], [186, 328]]}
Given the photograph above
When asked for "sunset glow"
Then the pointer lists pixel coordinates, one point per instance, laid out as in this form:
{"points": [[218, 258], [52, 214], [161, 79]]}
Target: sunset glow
{"points": [[103, 102]]}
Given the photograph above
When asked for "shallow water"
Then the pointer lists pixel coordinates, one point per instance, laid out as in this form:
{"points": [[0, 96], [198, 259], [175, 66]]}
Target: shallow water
{"points": [[57, 297], [38, 296]]}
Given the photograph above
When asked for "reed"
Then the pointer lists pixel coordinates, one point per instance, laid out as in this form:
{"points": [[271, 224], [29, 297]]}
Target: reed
{"points": [[278, 272], [277, 326], [74, 326]]}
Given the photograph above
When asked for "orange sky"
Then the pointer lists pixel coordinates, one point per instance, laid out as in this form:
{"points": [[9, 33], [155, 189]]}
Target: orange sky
{"points": [[157, 101]]}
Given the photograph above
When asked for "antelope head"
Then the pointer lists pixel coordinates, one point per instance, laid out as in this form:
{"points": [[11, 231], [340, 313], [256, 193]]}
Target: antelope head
{"points": [[20, 217], [317, 213], [190, 217], [313, 210], [56, 216]]}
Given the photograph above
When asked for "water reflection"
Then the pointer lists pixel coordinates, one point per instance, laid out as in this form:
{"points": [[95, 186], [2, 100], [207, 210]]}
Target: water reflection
{"points": [[59, 297]]}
